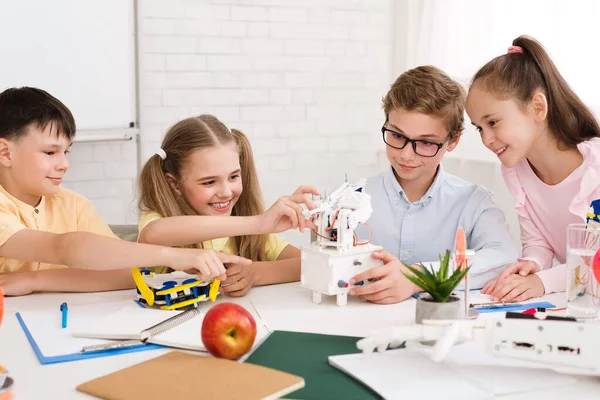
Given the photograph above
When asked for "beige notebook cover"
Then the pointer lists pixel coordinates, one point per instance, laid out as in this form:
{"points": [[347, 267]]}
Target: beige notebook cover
{"points": [[179, 375]]}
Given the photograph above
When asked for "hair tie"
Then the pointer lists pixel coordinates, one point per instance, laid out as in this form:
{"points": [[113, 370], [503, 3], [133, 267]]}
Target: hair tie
{"points": [[515, 49], [161, 153]]}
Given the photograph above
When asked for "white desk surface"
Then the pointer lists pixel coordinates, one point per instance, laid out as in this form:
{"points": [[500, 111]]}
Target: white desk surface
{"points": [[283, 307]]}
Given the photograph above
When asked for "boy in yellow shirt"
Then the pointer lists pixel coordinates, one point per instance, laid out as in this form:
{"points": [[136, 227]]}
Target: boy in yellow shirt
{"points": [[44, 228]]}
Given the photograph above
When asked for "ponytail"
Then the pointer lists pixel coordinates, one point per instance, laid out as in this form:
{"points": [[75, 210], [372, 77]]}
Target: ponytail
{"points": [[156, 194], [250, 201]]}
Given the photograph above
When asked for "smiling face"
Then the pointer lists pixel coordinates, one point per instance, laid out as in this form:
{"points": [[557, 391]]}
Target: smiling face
{"points": [[409, 166], [506, 128], [211, 179], [35, 163]]}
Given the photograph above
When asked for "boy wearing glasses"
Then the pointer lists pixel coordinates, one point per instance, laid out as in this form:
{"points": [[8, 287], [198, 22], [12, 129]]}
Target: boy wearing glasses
{"points": [[417, 207]]}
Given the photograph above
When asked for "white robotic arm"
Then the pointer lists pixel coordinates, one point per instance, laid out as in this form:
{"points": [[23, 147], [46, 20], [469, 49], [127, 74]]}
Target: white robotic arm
{"points": [[339, 214], [446, 333], [335, 254], [560, 343]]}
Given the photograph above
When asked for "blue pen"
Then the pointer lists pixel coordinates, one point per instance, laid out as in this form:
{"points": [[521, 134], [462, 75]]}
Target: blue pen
{"points": [[64, 309]]}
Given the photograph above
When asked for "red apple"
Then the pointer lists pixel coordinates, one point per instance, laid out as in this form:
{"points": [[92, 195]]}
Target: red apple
{"points": [[228, 331]]}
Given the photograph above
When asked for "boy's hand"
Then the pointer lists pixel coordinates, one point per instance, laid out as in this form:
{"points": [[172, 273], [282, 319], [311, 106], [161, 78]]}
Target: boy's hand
{"points": [[17, 283], [207, 264], [518, 288], [522, 268], [391, 286], [240, 278], [286, 213]]}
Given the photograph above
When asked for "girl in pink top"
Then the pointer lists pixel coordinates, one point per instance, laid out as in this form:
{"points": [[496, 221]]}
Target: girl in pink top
{"points": [[548, 142]]}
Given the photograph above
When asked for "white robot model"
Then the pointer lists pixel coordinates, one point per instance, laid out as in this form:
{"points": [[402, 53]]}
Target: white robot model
{"points": [[335, 253], [559, 343]]}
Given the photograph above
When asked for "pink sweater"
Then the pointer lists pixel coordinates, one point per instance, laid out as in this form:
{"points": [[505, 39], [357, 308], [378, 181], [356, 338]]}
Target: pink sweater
{"points": [[545, 211]]}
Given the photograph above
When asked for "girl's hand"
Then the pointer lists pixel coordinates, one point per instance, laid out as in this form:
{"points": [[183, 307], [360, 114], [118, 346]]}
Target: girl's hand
{"points": [[207, 264], [518, 288], [17, 283], [389, 286], [240, 278], [522, 268], [286, 213]]}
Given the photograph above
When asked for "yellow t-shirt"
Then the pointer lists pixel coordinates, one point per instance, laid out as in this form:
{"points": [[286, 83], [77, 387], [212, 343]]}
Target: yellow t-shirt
{"points": [[275, 245], [63, 212]]}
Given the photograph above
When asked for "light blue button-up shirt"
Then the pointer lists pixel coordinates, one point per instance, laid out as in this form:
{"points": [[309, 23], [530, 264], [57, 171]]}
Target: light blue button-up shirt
{"points": [[422, 230]]}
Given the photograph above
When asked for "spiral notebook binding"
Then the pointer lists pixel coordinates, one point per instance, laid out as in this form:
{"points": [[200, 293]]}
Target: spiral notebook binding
{"points": [[169, 323], [146, 333]]}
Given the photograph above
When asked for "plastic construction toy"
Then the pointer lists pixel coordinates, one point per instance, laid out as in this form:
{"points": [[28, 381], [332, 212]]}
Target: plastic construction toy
{"points": [[335, 253], [593, 213], [174, 290]]}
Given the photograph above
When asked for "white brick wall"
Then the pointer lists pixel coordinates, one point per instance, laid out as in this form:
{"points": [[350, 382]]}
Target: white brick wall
{"points": [[105, 173], [302, 78]]}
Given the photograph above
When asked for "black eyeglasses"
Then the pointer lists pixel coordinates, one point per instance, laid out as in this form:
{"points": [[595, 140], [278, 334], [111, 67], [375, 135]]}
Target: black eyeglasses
{"points": [[423, 148]]}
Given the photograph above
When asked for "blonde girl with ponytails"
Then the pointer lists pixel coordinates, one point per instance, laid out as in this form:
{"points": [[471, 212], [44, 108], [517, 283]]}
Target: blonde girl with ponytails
{"points": [[201, 189]]}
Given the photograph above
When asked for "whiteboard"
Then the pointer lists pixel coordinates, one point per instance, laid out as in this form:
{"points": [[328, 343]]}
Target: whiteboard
{"points": [[81, 52]]}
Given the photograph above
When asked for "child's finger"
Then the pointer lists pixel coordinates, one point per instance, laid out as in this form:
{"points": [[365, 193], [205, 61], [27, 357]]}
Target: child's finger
{"points": [[203, 271], [221, 277], [232, 259], [239, 285], [231, 279], [233, 269], [515, 292], [369, 288], [503, 289], [489, 287], [511, 269], [372, 273], [294, 205], [309, 224], [292, 215], [304, 189], [384, 256], [528, 268], [298, 210], [526, 295], [215, 265], [302, 199]]}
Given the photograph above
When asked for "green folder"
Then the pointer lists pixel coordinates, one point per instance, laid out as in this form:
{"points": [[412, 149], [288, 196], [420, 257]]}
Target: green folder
{"points": [[305, 355]]}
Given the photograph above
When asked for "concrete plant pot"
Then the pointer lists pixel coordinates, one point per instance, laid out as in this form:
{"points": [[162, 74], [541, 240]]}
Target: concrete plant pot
{"points": [[427, 308]]}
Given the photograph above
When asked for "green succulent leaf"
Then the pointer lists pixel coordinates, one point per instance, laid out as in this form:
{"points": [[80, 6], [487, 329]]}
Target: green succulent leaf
{"points": [[437, 283]]}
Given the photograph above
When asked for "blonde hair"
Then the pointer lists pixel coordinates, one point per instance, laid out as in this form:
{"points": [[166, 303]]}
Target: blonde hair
{"points": [[429, 90], [181, 140]]}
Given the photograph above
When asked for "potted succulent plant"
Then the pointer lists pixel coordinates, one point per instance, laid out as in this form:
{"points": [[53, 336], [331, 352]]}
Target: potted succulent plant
{"points": [[438, 301]]}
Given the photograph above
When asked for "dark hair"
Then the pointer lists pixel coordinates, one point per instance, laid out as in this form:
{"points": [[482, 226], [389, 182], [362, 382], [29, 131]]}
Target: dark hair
{"points": [[520, 75], [22, 107], [429, 90]]}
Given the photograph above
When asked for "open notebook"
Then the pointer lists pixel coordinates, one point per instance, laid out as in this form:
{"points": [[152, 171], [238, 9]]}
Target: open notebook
{"points": [[53, 344], [130, 321]]}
